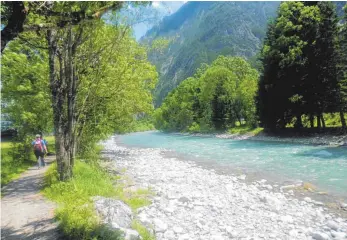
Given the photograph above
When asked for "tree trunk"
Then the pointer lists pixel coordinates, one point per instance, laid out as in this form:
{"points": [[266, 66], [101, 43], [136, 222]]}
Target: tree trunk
{"points": [[343, 120], [318, 121], [322, 119], [58, 90], [298, 123], [311, 121]]}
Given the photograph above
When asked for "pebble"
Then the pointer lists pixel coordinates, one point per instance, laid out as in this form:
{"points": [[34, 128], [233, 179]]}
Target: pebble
{"points": [[333, 225], [159, 225], [320, 236]]}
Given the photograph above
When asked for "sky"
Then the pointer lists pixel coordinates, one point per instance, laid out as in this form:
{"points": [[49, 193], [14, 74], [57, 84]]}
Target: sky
{"points": [[159, 10]]}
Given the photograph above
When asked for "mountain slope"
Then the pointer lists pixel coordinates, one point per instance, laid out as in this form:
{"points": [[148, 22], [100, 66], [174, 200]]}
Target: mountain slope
{"points": [[200, 31]]}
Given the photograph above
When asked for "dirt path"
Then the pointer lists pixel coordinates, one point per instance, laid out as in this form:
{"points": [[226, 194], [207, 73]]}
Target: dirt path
{"points": [[25, 213]]}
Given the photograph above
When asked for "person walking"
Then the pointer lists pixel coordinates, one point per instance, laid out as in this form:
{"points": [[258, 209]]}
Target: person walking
{"points": [[39, 150], [45, 142]]}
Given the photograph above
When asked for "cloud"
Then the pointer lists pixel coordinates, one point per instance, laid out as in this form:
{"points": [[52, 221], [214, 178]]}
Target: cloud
{"points": [[156, 4]]}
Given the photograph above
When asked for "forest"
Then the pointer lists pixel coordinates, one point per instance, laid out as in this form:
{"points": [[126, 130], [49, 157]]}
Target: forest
{"points": [[301, 82]]}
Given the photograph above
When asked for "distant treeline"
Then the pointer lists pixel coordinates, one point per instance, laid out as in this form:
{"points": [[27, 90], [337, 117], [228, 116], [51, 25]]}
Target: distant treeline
{"points": [[303, 77]]}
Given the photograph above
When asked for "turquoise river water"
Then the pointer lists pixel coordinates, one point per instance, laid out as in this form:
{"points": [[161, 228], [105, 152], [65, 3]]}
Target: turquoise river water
{"points": [[323, 166]]}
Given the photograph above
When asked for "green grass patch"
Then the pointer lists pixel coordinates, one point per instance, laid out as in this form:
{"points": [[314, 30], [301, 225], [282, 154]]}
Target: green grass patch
{"points": [[245, 130], [144, 233], [11, 167], [76, 214]]}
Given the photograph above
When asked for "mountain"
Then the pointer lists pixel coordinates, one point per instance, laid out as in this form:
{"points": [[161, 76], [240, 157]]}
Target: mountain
{"points": [[200, 31]]}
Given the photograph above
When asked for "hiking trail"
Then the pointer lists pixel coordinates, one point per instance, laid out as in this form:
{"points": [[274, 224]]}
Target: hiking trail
{"points": [[25, 212]]}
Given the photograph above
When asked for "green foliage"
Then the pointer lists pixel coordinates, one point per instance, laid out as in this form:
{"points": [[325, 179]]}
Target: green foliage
{"points": [[299, 61], [216, 97], [141, 125], [245, 130], [76, 213], [11, 165], [25, 89], [119, 88]]}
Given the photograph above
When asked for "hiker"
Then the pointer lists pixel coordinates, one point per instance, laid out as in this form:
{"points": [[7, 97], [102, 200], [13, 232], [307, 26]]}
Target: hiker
{"points": [[39, 150], [45, 142]]}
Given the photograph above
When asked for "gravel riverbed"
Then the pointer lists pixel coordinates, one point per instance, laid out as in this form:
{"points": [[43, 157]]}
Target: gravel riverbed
{"points": [[195, 203]]}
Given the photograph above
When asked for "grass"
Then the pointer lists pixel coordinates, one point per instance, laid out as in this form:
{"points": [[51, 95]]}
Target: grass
{"points": [[76, 214], [245, 130], [11, 168], [144, 233]]}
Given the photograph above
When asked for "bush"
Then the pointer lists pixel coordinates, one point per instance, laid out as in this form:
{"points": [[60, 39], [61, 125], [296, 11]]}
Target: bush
{"points": [[194, 128]]}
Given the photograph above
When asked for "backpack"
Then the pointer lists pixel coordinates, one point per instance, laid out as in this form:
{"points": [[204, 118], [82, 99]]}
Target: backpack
{"points": [[38, 145]]}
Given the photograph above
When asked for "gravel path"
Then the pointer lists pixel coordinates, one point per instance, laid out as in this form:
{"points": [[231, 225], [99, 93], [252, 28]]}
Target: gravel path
{"points": [[25, 213], [196, 203]]}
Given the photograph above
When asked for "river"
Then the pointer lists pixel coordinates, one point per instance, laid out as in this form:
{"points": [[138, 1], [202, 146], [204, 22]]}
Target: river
{"points": [[323, 166]]}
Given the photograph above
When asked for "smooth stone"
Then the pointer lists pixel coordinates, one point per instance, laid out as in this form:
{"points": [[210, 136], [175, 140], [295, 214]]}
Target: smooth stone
{"points": [[159, 225], [333, 225], [287, 219], [307, 199], [320, 236], [169, 234], [114, 212], [183, 199], [339, 235], [293, 233], [242, 177], [184, 237], [177, 229], [217, 237]]}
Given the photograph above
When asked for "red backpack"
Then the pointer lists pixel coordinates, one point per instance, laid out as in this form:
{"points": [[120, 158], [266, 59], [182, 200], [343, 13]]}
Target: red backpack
{"points": [[38, 145]]}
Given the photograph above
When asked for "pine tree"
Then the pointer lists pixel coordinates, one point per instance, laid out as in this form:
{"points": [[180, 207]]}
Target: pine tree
{"points": [[326, 54], [342, 69]]}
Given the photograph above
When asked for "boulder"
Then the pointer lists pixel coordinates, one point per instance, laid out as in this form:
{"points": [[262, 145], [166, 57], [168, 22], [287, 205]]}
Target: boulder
{"points": [[114, 212]]}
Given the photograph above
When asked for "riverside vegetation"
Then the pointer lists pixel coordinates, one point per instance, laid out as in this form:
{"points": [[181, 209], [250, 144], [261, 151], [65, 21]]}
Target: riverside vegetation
{"points": [[303, 77], [88, 79]]}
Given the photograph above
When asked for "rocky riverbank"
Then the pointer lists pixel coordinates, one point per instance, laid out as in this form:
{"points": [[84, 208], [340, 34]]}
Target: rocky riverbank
{"points": [[195, 203], [317, 139]]}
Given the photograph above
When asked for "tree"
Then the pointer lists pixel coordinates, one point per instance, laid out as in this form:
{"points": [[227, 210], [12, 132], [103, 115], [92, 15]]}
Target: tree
{"points": [[342, 69], [215, 98], [20, 16], [26, 94], [299, 65], [63, 25], [325, 59]]}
